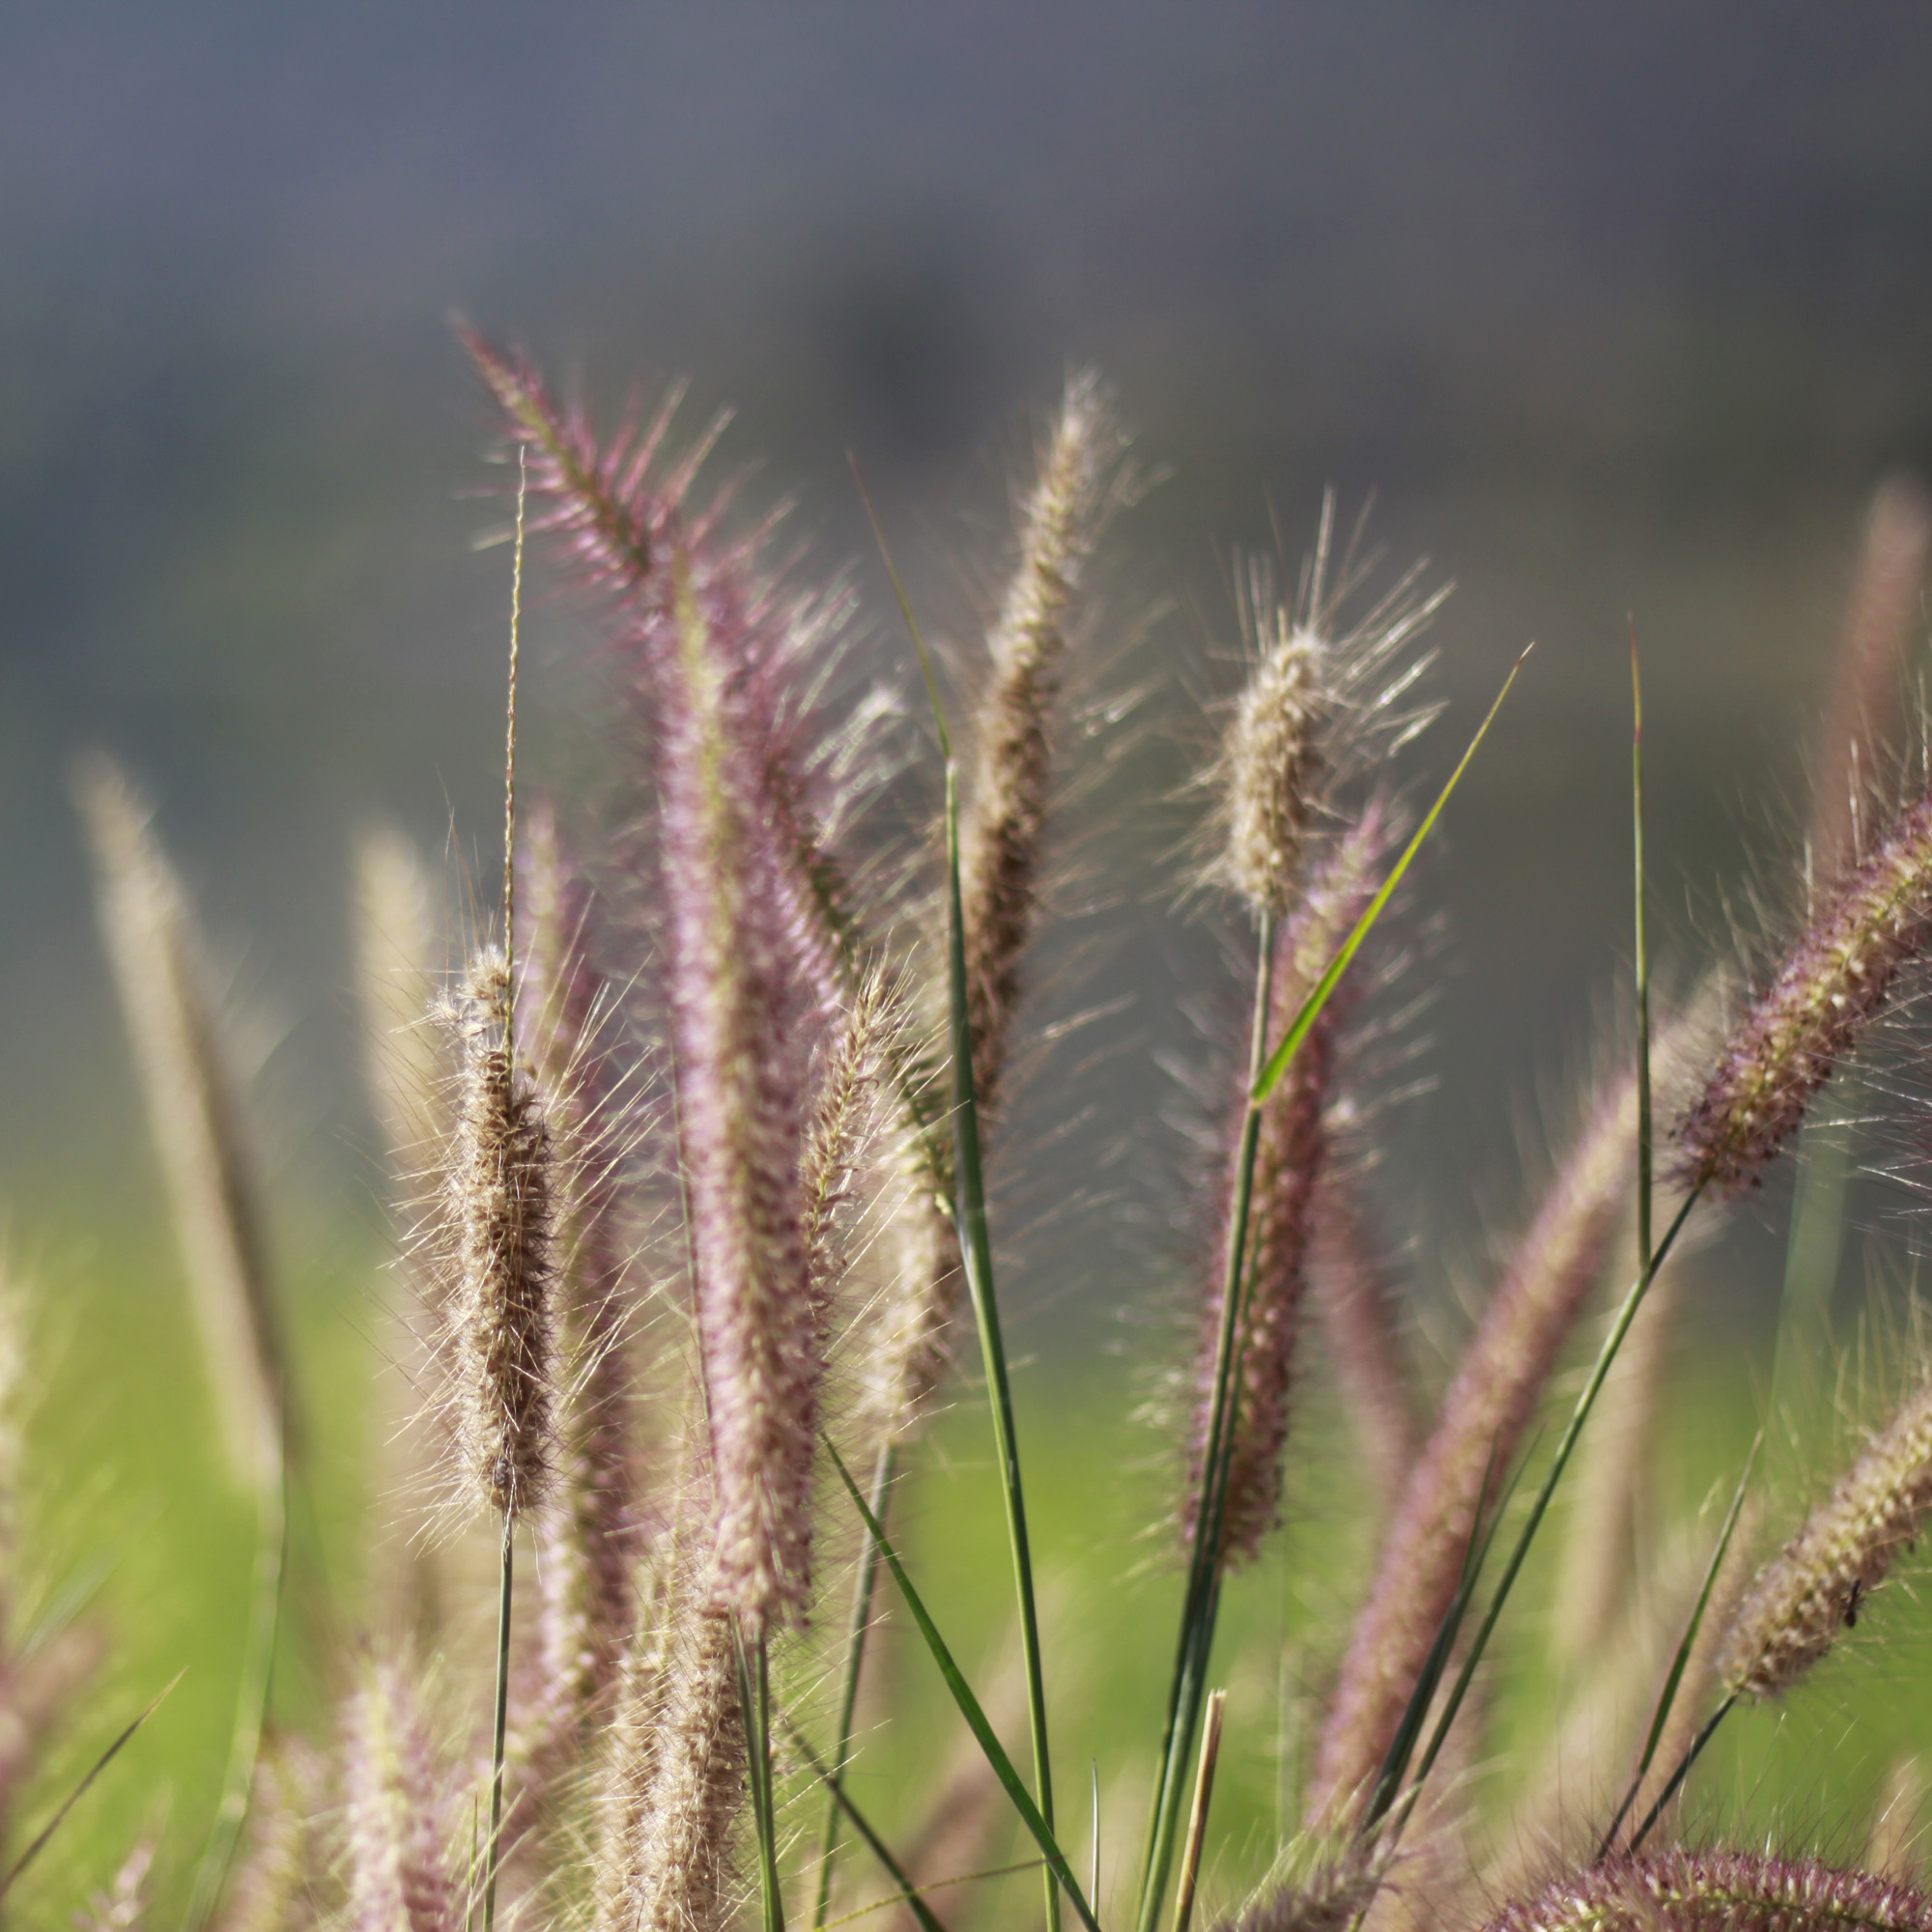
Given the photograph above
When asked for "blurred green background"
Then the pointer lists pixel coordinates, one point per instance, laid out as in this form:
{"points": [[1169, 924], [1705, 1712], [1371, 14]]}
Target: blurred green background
{"points": [[1620, 313]]}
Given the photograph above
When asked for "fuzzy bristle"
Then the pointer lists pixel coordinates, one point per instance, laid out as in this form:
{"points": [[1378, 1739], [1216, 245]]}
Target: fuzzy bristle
{"points": [[1267, 766], [501, 1310], [1814, 1588], [395, 1824], [1290, 1154], [1832, 982], [1005, 812], [679, 1787], [1718, 1891]]}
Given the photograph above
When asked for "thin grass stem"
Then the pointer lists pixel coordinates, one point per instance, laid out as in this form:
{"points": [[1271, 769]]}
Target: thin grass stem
{"points": [[499, 1727], [858, 1629], [976, 1253], [842, 1800], [754, 1700], [1197, 1817], [1681, 1661], [969, 1706], [1202, 1604], [1598, 1373], [1683, 1770]]}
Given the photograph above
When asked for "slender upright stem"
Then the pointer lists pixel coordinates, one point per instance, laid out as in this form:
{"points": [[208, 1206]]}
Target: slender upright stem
{"points": [[858, 1629], [1197, 1817], [975, 1252], [1201, 1609], [500, 1727]]}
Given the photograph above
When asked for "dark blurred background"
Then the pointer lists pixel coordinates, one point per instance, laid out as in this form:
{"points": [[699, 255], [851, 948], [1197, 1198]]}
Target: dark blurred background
{"points": [[1620, 311]]}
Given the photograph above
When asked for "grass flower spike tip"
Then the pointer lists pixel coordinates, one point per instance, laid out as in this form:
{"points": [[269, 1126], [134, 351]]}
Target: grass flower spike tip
{"points": [[498, 1183], [1812, 1589], [1834, 979], [1077, 487]]}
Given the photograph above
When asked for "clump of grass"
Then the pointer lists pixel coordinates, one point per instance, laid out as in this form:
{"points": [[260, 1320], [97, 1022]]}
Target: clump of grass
{"points": [[712, 1157]]}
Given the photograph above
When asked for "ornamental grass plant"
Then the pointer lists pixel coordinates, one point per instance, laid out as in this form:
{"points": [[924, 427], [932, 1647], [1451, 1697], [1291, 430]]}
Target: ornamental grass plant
{"points": [[713, 1569]]}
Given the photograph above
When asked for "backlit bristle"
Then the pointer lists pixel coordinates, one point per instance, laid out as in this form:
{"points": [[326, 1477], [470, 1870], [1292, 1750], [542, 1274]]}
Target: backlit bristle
{"points": [[1004, 814], [1267, 769], [1830, 984], [501, 1311], [395, 1822], [1818, 1584]]}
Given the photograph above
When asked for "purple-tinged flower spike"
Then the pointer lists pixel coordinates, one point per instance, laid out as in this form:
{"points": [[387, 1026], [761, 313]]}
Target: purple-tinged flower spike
{"points": [[1077, 487], [672, 1781], [590, 1532], [1834, 979], [1290, 1154], [272, 1887], [1718, 1891], [1355, 1299], [1881, 617], [618, 513], [396, 1825], [733, 1024], [500, 1311], [1815, 1586], [1480, 1426], [1332, 1896]]}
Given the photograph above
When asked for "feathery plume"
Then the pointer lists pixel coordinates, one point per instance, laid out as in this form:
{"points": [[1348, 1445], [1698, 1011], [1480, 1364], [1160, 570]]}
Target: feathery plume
{"points": [[1718, 1891], [1816, 1586], [1330, 1898], [741, 1116], [195, 1121], [1833, 980], [1480, 1426], [1356, 1302], [499, 1209], [680, 1784], [394, 1825], [1075, 490], [1290, 1152], [1267, 766], [270, 1891], [1879, 616]]}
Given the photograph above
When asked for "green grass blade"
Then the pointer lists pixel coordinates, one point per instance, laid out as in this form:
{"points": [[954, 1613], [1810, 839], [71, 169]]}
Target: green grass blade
{"points": [[79, 1791], [1311, 1007], [1010, 1781], [975, 1247], [1201, 1604], [864, 1586], [876, 1845], [1681, 1661], [975, 1254], [1683, 1770], [754, 1702]]}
